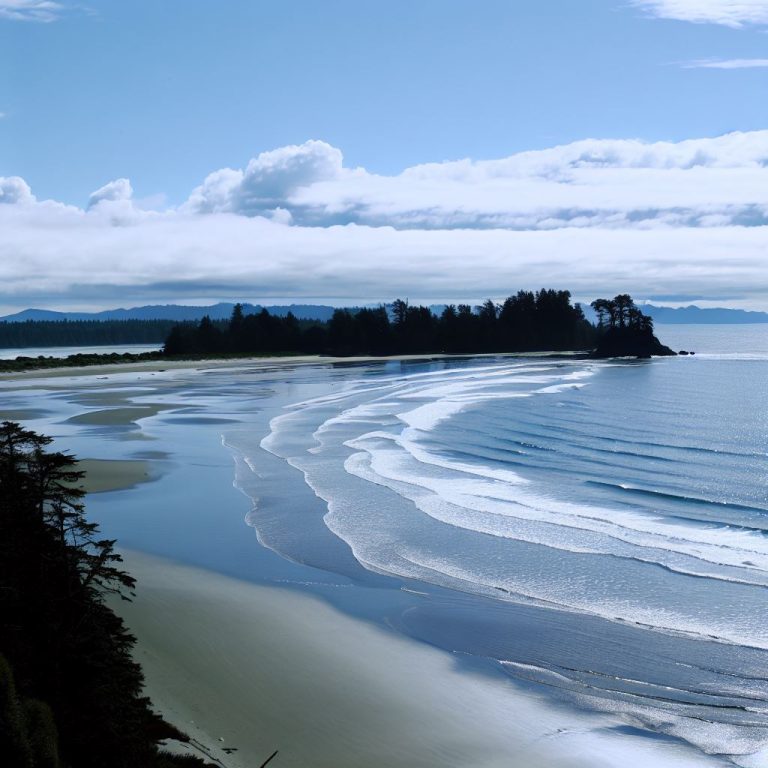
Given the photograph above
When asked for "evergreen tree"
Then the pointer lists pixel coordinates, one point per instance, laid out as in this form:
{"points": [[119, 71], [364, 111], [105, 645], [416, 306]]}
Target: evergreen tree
{"points": [[70, 653], [525, 322]]}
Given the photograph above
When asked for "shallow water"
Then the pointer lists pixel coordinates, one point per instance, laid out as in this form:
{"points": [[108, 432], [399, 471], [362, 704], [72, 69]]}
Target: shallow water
{"points": [[11, 353]]}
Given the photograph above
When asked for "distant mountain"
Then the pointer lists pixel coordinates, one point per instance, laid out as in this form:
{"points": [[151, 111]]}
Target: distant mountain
{"points": [[696, 315], [223, 310], [44, 314], [177, 312], [692, 315]]}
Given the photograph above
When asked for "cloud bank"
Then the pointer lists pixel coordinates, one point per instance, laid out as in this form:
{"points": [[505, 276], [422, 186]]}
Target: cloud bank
{"points": [[592, 183], [596, 216], [730, 13]]}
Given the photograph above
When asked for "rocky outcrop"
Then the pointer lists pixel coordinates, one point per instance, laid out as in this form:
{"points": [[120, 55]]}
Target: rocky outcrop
{"points": [[630, 342]]}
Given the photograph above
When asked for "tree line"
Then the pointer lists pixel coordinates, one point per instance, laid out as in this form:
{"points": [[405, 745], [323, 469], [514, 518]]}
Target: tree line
{"points": [[76, 333], [526, 322], [70, 692]]}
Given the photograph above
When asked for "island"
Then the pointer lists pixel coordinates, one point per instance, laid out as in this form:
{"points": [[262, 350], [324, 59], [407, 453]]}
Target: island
{"points": [[624, 331]]}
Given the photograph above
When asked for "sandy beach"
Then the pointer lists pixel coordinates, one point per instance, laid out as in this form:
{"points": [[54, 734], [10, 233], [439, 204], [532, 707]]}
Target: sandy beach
{"points": [[246, 669], [105, 475], [259, 669]]}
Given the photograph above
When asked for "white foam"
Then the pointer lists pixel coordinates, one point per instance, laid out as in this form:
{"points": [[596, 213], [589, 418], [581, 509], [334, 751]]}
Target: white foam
{"points": [[384, 432], [495, 501], [482, 493]]}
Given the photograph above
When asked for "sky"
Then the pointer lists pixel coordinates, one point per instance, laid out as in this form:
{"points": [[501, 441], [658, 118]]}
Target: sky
{"points": [[183, 151]]}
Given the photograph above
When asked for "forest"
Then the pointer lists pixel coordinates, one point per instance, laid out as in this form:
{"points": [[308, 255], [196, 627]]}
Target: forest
{"points": [[70, 692], [73, 333], [528, 321]]}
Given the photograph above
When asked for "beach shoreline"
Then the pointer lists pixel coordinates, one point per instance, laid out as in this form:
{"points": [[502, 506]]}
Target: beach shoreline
{"points": [[246, 669], [261, 650], [253, 669], [162, 366]]}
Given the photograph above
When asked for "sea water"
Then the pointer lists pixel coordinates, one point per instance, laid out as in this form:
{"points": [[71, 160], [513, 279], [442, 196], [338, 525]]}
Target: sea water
{"points": [[596, 528]]}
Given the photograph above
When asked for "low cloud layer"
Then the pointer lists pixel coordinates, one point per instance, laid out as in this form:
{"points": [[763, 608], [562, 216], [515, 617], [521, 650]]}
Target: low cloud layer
{"points": [[729, 13], [595, 216]]}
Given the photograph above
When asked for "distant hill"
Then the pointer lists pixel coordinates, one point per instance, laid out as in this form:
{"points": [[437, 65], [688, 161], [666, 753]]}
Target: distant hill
{"points": [[693, 315], [175, 312], [696, 315], [223, 310]]}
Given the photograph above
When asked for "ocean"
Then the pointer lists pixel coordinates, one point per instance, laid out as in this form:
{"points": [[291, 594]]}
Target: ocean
{"points": [[602, 525], [593, 530]]}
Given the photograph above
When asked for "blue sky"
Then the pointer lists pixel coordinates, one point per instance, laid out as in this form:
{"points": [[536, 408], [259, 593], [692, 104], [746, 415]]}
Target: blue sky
{"points": [[165, 93]]}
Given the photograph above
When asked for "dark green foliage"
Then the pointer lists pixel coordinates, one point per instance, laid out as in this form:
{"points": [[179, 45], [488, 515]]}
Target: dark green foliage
{"points": [[14, 744], [624, 331], [22, 363], [208, 337], [545, 320], [42, 734], [28, 735], [541, 321], [70, 653], [75, 333]]}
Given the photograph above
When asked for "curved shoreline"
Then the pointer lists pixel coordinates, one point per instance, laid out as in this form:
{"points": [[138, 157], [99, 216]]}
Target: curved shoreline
{"points": [[211, 539], [161, 366], [252, 668]]}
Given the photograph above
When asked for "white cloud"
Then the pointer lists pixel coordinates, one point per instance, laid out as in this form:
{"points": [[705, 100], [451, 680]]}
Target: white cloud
{"points": [[591, 183], [73, 254], [114, 202], [729, 13], [595, 216], [726, 64], [114, 191], [30, 10], [268, 179], [13, 190]]}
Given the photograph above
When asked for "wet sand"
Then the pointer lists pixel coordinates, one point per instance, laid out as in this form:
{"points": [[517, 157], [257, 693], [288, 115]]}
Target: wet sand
{"points": [[258, 669], [161, 366], [254, 669], [104, 475], [110, 417]]}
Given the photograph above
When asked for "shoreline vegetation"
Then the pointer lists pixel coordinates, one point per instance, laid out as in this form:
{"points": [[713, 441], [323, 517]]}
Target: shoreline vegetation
{"points": [[70, 691], [527, 322]]}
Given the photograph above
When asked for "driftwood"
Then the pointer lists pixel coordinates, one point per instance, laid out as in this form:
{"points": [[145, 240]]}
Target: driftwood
{"points": [[269, 759]]}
